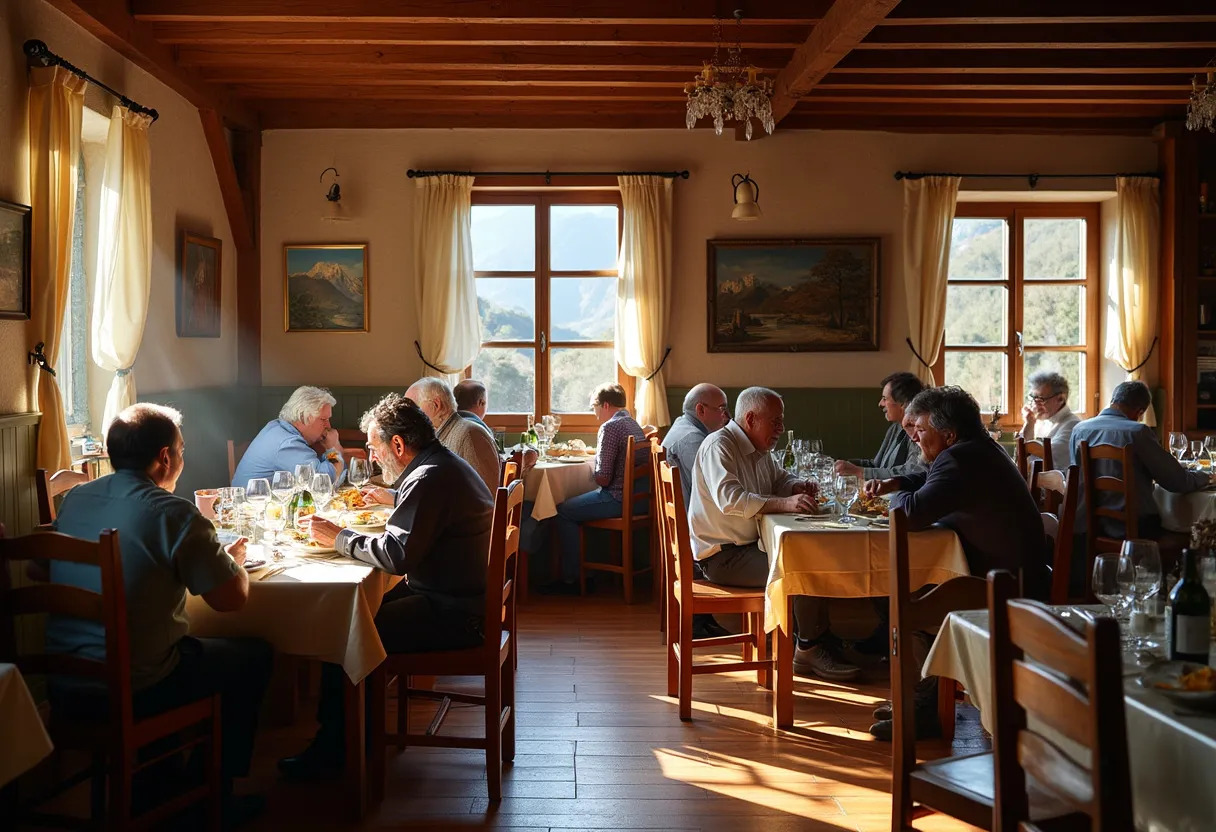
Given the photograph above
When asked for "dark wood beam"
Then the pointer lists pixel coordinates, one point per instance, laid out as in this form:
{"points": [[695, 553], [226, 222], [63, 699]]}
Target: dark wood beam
{"points": [[842, 28], [1038, 37], [322, 88], [230, 184], [1046, 12], [1170, 98], [915, 80], [1089, 61], [109, 22], [483, 11], [462, 77]]}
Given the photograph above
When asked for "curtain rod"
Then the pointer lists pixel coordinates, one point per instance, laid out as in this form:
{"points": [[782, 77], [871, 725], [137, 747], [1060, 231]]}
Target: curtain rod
{"points": [[669, 174], [39, 54], [1032, 178]]}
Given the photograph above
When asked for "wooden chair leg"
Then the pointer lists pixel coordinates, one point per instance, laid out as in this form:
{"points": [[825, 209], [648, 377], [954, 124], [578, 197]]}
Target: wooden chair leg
{"points": [[377, 773], [582, 561], [627, 562], [521, 577], [215, 771], [947, 692], [121, 771], [685, 664], [748, 646], [764, 677], [403, 712], [508, 701], [494, 737], [673, 639]]}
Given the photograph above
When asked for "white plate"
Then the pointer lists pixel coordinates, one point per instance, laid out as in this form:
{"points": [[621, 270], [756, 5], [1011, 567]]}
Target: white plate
{"points": [[1168, 673]]}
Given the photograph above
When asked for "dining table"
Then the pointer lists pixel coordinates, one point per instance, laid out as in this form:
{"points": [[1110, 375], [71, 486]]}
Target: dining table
{"points": [[1171, 750], [1180, 511], [552, 481], [22, 736], [823, 557]]}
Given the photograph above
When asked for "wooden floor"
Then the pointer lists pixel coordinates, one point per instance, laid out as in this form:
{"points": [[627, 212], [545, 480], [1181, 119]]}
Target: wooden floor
{"points": [[601, 747]]}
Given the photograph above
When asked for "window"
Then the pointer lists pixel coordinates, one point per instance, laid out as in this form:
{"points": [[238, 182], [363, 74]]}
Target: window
{"points": [[1022, 297], [72, 372], [546, 291]]}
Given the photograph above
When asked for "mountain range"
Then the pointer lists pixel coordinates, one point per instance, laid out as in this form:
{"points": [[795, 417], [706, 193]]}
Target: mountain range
{"points": [[338, 276]]}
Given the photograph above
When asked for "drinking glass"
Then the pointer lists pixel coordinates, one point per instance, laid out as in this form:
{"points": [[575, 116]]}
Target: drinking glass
{"points": [[257, 491], [847, 489], [282, 486], [304, 474], [1146, 582], [1178, 444], [241, 519], [1197, 450], [816, 446], [557, 423], [778, 455], [1113, 574], [322, 488], [223, 508], [359, 474], [274, 520]]}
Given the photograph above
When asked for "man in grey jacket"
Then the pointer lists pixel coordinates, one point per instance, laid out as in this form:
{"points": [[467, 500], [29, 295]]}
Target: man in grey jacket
{"points": [[898, 454], [705, 411]]}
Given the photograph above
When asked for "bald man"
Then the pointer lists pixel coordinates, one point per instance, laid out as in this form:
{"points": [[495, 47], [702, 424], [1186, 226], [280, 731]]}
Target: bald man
{"points": [[705, 411]]}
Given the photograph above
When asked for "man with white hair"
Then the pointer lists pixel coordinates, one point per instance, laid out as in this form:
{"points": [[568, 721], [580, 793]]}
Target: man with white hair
{"points": [[1046, 415], [705, 411], [461, 436], [301, 435], [735, 480]]}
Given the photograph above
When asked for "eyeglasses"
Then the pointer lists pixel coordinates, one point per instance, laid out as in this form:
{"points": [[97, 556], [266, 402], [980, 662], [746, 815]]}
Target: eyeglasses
{"points": [[1041, 399]]}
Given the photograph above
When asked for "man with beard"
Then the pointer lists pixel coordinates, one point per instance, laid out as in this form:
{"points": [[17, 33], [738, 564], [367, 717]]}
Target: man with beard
{"points": [[438, 537]]}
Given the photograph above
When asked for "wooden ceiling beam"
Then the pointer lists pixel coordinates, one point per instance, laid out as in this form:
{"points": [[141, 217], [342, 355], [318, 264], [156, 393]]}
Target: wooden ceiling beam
{"points": [[1173, 98], [920, 80], [396, 76], [109, 22], [325, 89], [472, 11], [844, 26], [1089, 61], [1046, 12], [1037, 36], [471, 34]]}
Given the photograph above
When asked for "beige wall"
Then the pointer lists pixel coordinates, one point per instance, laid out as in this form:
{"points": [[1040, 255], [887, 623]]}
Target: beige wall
{"points": [[811, 184], [184, 196]]}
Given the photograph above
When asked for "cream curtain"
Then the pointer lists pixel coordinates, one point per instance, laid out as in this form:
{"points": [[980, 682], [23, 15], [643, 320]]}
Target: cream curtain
{"points": [[1131, 309], [124, 256], [928, 220], [448, 324], [643, 295], [56, 105]]}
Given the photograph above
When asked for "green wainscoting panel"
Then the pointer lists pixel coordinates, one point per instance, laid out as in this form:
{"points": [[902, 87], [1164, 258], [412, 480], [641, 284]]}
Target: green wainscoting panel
{"points": [[18, 462]]}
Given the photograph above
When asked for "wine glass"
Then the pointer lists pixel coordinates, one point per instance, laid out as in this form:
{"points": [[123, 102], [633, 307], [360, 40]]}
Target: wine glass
{"points": [[282, 486], [1209, 447], [1197, 452], [274, 519], [257, 491], [359, 474], [304, 475], [1113, 574], [1178, 444], [223, 509], [557, 423], [816, 446], [847, 491], [1146, 580], [322, 488]]}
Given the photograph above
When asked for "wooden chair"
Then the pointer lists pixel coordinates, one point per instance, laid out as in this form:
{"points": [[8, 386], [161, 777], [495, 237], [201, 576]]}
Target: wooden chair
{"points": [[1059, 489], [1071, 683], [650, 431], [50, 486], [493, 660], [115, 738], [1096, 484], [688, 597], [961, 787], [1028, 448], [658, 455], [627, 524], [510, 473], [236, 450]]}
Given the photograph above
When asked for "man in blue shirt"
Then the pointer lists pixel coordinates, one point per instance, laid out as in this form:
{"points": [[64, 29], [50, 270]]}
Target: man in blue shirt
{"points": [[472, 401], [168, 548], [705, 411], [302, 435]]}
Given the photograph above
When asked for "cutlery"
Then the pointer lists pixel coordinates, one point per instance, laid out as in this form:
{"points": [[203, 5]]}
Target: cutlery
{"points": [[270, 573]]}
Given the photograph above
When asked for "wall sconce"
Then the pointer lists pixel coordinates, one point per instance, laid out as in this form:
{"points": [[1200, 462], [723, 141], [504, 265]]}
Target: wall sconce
{"points": [[333, 200], [747, 192]]}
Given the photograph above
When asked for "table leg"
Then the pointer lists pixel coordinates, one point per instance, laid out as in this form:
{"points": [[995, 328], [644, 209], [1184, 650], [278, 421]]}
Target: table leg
{"points": [[377, 729], [783, 658], [356, 748]]}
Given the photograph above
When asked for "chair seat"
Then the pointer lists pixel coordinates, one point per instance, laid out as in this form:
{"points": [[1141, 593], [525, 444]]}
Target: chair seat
{"points": [[639, 521], [965, 788], [467, 662], [707, 589]]}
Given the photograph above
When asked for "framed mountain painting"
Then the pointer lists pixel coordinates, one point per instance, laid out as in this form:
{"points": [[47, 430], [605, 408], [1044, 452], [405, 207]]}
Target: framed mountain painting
{"points": [[325, 287], [815, 295]]}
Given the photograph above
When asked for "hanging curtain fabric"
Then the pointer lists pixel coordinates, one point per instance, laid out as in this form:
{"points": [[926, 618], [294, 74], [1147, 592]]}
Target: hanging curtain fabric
{"points": [[643, 296], [448, 324], [56, 106], [928, 221], [1131, 309], [124, 256]]}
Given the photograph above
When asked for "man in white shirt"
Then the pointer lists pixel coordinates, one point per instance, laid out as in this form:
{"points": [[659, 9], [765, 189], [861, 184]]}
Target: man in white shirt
{"points": [[1046, 415], [735, 480]]}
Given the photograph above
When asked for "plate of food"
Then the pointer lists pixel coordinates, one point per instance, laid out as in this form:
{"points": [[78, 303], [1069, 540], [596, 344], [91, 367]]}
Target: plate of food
{"points": [[351, 498], [1186, 683], [301, 541], [874, 507], [366, 520], [254, 564]]}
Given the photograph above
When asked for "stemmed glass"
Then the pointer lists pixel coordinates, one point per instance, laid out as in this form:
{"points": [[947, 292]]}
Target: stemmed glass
{"points": [[1197, 451], [282, 486], [359, 474], [847, 491], [304, 474], [322, 488], [1113, 577], [274, 519], [1209, 447], [1146, 582], [1178, 445], [816, 446]]}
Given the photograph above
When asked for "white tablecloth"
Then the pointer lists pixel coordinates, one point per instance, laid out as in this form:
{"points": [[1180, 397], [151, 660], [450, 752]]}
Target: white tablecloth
{"points": [[318, 609], [830, 560], [1180, 511], [1173, 756], [23, 740], [549, 484]]}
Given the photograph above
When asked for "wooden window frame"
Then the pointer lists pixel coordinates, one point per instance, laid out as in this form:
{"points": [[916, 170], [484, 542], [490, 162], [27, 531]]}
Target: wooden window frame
{"points": [[1014, 213], [542, 274]]}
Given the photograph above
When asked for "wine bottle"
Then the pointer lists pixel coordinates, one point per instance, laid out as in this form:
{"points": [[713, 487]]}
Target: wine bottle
{"points": [[1188, 626], [301, 506], [789, 461], [533, 438]]}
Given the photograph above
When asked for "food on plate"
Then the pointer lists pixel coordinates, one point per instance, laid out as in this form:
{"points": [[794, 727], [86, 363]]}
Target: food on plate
{"points": [[365, 518], [352, 498], [1202, 679], [876, 506], [304, 541]]}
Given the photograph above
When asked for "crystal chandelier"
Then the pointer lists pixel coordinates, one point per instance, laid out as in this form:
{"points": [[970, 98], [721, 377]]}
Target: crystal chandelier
{"points": [[730, 89], [1201, 109]]}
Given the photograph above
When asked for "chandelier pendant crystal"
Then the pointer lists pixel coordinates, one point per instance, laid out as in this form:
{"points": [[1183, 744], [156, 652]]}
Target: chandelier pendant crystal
{"points": [[1201, 109], [730, 90]]}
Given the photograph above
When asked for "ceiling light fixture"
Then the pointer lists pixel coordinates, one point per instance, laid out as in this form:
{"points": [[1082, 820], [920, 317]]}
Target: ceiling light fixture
{"points": [[745, 199], [730, 89], [333, 200], [1201, 109]]}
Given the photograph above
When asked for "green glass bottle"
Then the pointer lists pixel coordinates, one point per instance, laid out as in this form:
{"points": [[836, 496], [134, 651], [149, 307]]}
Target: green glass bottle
{"points": [[301, 506], [533, 438], [1188, 625], [789, 462]]}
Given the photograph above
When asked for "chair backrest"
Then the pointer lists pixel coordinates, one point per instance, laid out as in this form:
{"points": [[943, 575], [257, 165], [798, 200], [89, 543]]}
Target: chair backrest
{"points": [[1097, 483], [236, 450], [49, 486], [1071, 683], [674, 527], [510, 473], [1027, 448], [638, 468], [502, 566], [109, 608], [909, 616], [1059, 489]]}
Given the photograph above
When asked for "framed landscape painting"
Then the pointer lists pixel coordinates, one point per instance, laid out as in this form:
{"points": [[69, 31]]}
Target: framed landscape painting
{"points": [[325, 288], [14, 261], [793, 295], [198, 287]]}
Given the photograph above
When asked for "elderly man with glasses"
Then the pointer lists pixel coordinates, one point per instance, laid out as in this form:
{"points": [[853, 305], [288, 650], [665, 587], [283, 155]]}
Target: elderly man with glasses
{"points": [[705, 411], [1046, 414]]}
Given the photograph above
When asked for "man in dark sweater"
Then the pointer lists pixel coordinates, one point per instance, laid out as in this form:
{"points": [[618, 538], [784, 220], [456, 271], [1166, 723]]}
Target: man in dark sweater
{"points": [[438, 537], [898, 454]]}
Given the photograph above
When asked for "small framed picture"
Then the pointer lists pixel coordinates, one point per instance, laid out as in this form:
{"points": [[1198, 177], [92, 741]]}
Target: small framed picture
{"points": [[325, 288], [14, 261], [198, 287]]}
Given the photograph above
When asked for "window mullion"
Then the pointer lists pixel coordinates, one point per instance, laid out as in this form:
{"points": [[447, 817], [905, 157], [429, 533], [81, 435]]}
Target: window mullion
{"points": [[543, 330]]}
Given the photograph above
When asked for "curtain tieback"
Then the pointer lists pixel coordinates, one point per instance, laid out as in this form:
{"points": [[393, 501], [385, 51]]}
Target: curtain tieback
{"points": [[37, 356], [917, 354], [440, 370], [666, 353], [124, 371], [1146, 358]]}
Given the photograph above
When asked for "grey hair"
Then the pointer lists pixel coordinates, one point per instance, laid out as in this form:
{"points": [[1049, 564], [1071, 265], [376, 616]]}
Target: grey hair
{"points": [[949, 408], [753, 399], [435, 389], [1133, 394], [1051, 379], [305, 403], [698, 394]]}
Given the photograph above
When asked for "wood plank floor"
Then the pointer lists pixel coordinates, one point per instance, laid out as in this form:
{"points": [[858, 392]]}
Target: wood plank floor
{"points": [[601, 747]]}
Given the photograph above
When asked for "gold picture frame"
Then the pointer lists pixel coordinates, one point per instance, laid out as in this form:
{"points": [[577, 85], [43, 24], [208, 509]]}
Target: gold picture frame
{"points": [[199, 282], [325, 287]]}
